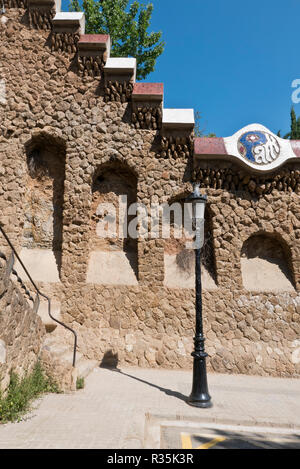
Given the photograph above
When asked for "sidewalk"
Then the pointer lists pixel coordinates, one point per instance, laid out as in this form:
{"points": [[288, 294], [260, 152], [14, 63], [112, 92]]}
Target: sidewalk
{"points": [[125, 409]]}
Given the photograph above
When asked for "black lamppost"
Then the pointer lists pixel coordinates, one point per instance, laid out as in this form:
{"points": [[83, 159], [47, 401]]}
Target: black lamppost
{"points": [[199, 396]]}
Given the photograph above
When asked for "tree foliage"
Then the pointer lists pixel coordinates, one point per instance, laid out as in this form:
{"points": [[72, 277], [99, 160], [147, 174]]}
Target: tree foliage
{"points": [[199, 131], [127, 26], [294, 133]]}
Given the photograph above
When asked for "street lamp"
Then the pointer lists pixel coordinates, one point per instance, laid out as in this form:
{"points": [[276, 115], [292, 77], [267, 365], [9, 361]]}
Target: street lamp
{"points": [[199, 396]]}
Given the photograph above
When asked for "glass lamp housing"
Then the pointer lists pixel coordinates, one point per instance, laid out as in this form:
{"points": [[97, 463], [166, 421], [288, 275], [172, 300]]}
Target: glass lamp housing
{"points": [[196, 205]]}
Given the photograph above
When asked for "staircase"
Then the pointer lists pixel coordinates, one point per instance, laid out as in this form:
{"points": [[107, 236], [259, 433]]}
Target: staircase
{"points": [[60, 360], [54, 345]]}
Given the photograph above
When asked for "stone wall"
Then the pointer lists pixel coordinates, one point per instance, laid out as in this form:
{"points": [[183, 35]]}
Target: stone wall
{"points": [[147, 324], [144, 326], [21, 330]]}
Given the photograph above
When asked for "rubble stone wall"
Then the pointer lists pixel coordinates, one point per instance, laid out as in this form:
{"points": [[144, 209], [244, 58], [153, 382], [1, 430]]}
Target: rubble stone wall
{"points": [[21, 331], [148, 324]]}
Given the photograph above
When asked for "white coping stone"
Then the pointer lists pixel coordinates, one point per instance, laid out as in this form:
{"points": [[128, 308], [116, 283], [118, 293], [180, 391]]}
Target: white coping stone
{"points": [[276, 148], [178, 116], [41, 265], [71, 16], [2, 352], [121, 63], [110, 268]]}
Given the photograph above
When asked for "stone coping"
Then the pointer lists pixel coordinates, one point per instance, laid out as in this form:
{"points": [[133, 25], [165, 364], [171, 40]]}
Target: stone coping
{"points": [[209, 146], [64, 21], [94, 39], [173, 118], [94, 43], [254, 146], [295, 144], [148, 91], [121, 66]]}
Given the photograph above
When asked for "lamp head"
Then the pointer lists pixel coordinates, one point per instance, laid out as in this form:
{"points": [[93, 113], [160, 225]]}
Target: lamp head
{"points": [[198, 202]]}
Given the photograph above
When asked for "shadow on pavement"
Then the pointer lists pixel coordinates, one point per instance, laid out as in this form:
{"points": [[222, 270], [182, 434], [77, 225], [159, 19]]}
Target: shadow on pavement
{"points": [[110, 362]]}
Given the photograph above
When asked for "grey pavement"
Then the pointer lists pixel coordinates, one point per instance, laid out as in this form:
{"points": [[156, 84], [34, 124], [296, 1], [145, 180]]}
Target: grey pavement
{"points": [[129, 408]]}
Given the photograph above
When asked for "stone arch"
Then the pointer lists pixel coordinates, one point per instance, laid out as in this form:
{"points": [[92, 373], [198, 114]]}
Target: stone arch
{"points": [[266, 263], [180, 261], [114, 189], [113, 160], [43, 203]]}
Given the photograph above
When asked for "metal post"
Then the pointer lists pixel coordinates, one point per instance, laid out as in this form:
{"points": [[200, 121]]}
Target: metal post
{"points": [[199, 396]]}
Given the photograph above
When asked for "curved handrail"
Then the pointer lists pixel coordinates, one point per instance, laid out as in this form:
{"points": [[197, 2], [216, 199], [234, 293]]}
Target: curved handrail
{"points": [[39, 293]]}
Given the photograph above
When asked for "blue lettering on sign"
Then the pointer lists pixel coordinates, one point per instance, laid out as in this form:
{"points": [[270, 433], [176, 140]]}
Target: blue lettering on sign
{"points": [[248, 142]]}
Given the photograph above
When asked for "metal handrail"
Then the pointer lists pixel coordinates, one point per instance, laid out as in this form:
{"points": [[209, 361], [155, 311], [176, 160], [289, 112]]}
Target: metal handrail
{"points": [[39, 293]]}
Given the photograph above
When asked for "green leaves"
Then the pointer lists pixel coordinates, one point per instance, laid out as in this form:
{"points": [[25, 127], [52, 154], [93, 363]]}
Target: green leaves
{"points": [[21, 392], [128, 30], [198, 131], [294, 134]]}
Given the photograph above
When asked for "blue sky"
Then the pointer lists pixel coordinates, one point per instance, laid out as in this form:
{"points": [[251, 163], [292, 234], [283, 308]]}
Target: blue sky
{"points": [[233, 61]]}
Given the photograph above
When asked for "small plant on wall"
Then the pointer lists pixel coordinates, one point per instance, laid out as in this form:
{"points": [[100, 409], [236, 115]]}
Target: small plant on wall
{"points": [[80, 383]]}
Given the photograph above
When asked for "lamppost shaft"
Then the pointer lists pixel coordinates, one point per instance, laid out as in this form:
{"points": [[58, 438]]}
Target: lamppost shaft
{"points": [[199, 396], [198, 281]]}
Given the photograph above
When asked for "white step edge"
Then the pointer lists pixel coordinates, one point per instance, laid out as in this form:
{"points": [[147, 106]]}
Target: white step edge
{"points": [[76, 17], [178, 117], [121, 65]]}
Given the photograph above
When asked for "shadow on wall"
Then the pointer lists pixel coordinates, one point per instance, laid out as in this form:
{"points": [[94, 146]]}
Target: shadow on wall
{"points": [[116, 254], [110, 360], [266, 264], [180, 262], [43, 204]]}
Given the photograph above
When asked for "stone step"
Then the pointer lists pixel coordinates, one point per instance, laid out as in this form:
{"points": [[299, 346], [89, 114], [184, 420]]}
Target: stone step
{"points": [[64, 353], [84, 367], [57, 350], [52, 339], [68, 356], [50, 325]]}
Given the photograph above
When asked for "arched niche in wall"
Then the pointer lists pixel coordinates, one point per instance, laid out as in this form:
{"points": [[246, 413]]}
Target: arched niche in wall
{"points": [[266, 263], [112, 253], [179, 259], [43, 207]]}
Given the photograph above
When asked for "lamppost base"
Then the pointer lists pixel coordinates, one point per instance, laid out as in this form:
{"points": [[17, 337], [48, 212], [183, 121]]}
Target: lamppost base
{"points": [[204, 404]]}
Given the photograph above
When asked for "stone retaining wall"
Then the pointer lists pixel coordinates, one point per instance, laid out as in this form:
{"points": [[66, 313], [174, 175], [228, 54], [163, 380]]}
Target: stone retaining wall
{"points": [[21, 331]]}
